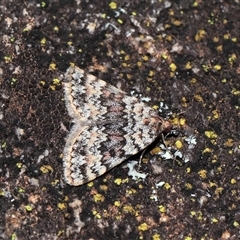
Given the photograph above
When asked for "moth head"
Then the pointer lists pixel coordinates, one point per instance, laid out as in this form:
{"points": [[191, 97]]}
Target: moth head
{"points": [[160, 125], [166, 126]]}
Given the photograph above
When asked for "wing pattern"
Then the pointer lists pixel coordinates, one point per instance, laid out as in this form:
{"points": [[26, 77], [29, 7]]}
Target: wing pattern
{"points": [[109, 126]]}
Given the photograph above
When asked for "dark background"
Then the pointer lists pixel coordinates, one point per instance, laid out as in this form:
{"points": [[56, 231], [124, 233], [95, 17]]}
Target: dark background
{"points": [[182, 53]]}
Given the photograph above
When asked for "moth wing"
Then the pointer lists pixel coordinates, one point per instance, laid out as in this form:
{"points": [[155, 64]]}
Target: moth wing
{"points": [[88, 97], [91, 99], [90, 151]]}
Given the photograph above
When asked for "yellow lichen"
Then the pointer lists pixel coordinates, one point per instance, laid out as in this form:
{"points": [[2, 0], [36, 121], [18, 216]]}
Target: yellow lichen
{"points": [[43, 41], [182, 121], [167, 186], [62, 206], [215, 114], [235, 224], [198, 98], [28, 208], [131, 191], [96, 214], [217, 67], [98, 197], [56, 81], [19, 164], [145, 58], [117, 203], [219, 48], [202, 173], [173, 67], [188, 65], [214, 220], [42, 83], [46, 169], [211, 134], [156, 236], [200, 35], [143, 227], [184, 102], [90, 184], [178, 144], [120, 21], [193, 80], [162, 209], [112, 5], [188, 186], [155, 107], [104, 187], [52, 66], [229, 143], [56, 29], [128, 209], [235, 91], [177, 22], [118, 181], [127, 57], [207, 150], [233, 181]]}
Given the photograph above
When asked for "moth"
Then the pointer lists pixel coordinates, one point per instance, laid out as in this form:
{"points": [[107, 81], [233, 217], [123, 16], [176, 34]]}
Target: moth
{"points": [[108, 126]]}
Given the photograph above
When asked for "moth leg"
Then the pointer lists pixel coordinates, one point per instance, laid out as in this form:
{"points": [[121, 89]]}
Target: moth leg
{"points": [[140, 159]]}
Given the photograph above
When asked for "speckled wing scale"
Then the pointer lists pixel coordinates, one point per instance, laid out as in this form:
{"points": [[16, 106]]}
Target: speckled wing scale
{"points": [[109, 126]]}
